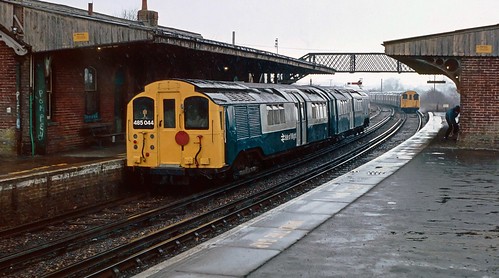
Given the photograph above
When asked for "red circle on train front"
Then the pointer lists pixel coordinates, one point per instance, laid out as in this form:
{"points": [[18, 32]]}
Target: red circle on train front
{"points": [[182, 138]]}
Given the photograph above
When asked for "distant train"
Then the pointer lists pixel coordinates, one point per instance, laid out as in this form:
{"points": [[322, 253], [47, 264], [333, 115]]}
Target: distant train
{"points": [[408, 101], [178, 129]]}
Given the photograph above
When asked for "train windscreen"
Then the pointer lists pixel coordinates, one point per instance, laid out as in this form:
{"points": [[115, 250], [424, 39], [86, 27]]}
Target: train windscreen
{"points": [[143, 113], [196, 113]]}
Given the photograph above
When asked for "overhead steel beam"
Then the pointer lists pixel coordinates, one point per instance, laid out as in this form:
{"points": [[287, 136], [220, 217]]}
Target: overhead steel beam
{"points": [[358, 62]]}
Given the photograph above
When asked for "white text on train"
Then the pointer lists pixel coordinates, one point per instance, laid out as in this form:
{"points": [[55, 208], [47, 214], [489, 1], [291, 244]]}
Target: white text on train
{"points": [[289, 136]]}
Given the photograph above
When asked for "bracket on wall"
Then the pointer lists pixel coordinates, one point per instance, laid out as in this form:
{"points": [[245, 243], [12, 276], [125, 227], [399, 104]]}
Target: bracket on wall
{"points": [[12, 43], [449, 66]]}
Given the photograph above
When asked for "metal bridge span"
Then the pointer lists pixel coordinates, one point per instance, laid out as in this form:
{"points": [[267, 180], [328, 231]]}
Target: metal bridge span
{"points": [[351, 63], [358, 62]]}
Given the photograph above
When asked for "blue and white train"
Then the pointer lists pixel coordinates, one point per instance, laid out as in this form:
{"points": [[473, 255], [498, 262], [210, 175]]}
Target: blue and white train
{"points": [[183, 128]]}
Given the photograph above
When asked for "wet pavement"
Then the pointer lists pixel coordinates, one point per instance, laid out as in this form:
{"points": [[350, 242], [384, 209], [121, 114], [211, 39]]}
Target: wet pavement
{"points": [[436, 217], [12, 166]]}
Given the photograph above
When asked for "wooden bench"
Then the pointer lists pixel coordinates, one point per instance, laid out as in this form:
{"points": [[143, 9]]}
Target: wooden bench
{"points": [[101, 132]]}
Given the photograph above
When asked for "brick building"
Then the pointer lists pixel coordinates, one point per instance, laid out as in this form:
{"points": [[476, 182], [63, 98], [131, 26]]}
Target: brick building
{"points": [[470, 58], [62, 70]]}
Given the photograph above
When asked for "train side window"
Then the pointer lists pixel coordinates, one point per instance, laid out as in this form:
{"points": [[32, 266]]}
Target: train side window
{"points": [[282, 114], [143, 113], [270, 121], [315, 113], [276, 114], [196, 113], [169, 113]]}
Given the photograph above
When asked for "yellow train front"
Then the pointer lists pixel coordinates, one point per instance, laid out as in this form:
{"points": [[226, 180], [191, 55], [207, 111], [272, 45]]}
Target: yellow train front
{"points": [[407, 101], [171, 128]]}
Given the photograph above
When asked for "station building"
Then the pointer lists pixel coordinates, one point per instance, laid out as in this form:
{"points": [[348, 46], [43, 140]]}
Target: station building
{"points": [[64, 70]]}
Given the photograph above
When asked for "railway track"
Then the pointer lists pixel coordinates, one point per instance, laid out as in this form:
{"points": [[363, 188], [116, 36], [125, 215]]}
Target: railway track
{"points": [[180, 233]]}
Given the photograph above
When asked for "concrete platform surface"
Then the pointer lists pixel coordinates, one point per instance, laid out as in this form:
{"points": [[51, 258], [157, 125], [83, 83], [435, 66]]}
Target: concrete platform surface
{"points": [[15, 166], [424, 209]]}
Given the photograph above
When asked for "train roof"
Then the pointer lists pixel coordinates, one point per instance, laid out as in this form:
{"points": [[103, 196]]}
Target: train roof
{"points": [[394, 92], [225, 93], [231, 93]]}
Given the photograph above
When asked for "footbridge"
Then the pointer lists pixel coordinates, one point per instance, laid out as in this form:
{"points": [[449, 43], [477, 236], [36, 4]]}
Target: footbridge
{"points": [[358, 62]]}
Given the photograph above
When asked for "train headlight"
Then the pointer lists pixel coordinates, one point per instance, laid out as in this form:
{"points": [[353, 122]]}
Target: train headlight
{"points": [[152, 147], [135, 136]]}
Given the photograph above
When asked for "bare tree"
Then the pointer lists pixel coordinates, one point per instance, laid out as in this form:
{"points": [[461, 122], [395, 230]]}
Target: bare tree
{"points": [[129, 14], [392, 84], [439, 100]]}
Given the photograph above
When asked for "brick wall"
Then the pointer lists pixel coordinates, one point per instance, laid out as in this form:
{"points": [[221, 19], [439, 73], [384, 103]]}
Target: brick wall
{"points": [[64, 131], [7, 101], [479, 90], [45, 194], [66, 127], [68, 104]]}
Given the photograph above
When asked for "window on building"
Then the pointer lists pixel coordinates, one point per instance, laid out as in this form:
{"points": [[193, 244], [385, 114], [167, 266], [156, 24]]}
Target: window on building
{"points": [[91, 95]]}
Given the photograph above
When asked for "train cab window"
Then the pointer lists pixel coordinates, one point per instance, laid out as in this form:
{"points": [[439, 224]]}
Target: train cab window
{"points": [[196, 113], [143, 113], [404, 96], [169, 113], [416, 97]]}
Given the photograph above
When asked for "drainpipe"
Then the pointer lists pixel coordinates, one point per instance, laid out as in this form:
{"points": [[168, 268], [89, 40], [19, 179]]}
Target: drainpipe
{"points": [[18, 106], [31, 69]]}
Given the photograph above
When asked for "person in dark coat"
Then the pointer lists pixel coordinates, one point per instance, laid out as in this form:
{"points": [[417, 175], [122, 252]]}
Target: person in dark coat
{"points": [[450, 117]]}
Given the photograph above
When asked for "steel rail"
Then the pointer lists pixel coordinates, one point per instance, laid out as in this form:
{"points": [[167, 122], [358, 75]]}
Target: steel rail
{"points": [[16, 260], [121, 258]]}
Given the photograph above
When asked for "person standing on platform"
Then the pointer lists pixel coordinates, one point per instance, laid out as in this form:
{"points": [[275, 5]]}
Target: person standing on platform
{"points": [[450, 117]]}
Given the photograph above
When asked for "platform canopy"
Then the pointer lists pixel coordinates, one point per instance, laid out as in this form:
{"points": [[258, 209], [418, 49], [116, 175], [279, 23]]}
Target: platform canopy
{"points": [[442, 53]]}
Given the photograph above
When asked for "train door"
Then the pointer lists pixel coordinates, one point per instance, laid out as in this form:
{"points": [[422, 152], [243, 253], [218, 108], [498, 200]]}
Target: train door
{"points": [[190, 131], [301, 125], [168, 126]]}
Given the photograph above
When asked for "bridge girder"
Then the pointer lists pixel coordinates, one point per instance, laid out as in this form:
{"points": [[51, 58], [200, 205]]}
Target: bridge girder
{"points": [[382, 63]]}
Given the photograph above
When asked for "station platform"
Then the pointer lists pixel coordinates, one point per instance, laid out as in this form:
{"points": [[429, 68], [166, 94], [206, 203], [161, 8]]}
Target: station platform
{"points": [[38, 187], [16, 166], [423, 209]]}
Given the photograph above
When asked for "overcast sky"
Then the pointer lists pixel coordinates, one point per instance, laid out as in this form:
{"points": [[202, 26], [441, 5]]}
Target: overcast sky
{"points": [[315, 25]]}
